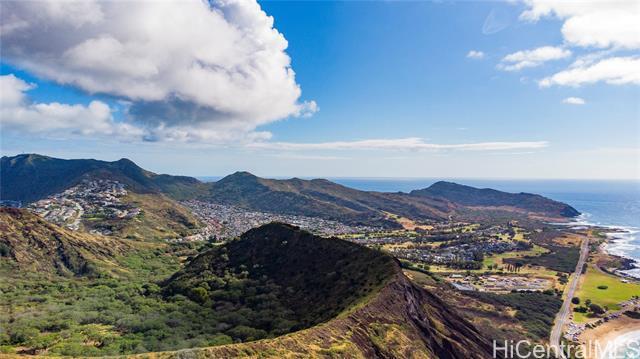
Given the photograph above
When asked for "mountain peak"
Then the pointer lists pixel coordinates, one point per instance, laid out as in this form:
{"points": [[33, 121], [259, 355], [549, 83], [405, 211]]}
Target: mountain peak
{"points": [[29, 177], [130, 168], [446, 184], [238, 176], [125, 160], [244, 174]]}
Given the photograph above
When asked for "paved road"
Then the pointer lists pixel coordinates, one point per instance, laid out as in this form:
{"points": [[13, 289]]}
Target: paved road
{"points": [[563, 314]]}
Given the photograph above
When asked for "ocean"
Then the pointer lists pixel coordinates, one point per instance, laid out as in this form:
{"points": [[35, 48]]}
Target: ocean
{"points": [[614, 204]]}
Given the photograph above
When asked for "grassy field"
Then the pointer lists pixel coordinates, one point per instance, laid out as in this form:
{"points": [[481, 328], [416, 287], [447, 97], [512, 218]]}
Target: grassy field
{"points": [[558, 258], [616, 291], [498, 258]]}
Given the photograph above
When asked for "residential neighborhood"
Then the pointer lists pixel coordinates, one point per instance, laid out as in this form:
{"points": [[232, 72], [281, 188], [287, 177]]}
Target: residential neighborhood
{"points": [[89, 200], [226, 222]]}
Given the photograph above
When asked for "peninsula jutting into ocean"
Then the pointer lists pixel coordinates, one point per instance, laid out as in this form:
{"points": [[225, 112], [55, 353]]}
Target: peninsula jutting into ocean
{"points": [[319, 179]]}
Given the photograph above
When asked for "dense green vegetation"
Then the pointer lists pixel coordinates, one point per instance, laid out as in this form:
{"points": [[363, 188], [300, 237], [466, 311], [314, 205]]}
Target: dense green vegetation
{"points": [[269, 283], [273, 273], [535, 311], [559, 258], [73, 293], [31, 177], [102, 315], [486, 197]]}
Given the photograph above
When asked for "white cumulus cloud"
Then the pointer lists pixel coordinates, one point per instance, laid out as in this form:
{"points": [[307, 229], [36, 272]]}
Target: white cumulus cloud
{"points": [[606, 34], [574, 101], [598, 23], [18, 113], [613, 70], [532, 58], [474, 54], [190, 70]]}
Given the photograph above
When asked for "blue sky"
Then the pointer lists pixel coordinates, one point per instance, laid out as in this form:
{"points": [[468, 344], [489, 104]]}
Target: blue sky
{"points": [[378, 71]]}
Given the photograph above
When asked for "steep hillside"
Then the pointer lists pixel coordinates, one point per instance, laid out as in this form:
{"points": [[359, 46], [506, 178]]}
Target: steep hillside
{"points": [[76, 185], [34, 245], [354, 302], [160, 219], [297, 267], [316, 279], [322, 198], [475, 197], [31, 177]]}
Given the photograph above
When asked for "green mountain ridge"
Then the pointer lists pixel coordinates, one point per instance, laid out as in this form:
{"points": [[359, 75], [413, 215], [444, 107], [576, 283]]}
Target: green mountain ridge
{"points": [[30, 177], [322, 198], [479, 197]]}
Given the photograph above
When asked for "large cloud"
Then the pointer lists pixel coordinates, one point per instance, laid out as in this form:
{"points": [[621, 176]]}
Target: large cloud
{"points": [[600, 24], [217, 70], [18, 113]]}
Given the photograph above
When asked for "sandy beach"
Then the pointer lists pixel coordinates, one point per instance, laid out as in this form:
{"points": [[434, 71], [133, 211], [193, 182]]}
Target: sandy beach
{"points": [[609, 332]]}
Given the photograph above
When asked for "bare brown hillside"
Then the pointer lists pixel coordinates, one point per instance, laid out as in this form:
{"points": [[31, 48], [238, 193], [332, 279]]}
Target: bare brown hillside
{"points": [[32, 244]]}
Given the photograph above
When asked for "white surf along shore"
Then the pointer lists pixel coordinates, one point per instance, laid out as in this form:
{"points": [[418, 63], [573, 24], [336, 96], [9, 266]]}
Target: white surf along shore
{"points": [[624, 346], [622, 241]]}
